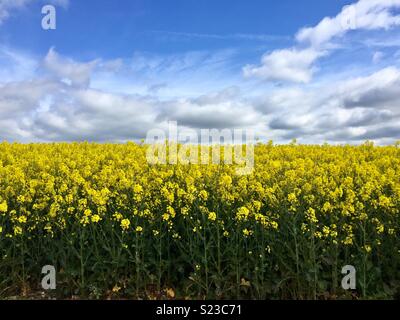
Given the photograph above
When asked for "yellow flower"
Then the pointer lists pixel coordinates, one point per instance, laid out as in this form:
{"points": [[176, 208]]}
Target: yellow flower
{"points": [[171, 211], [338, 195], [367, 248], [137, 188], [310, 215], [117, 216], [20, 199], [242, 214], [292, 198], [247, 232], [327, 207], [17, 230], [85, 220], [274, 225], [22, 219], [203, 195], [96, 218], [125, 223], [348, 240], [212, 216], [3, 207], [318, 234], [226, 180]]}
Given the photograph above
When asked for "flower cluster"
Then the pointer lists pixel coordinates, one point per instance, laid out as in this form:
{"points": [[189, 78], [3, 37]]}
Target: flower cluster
{"points": [[103, 207]]}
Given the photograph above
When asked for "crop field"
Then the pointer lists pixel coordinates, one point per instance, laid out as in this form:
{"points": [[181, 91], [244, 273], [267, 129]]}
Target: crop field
{"points": [[115, 226]]}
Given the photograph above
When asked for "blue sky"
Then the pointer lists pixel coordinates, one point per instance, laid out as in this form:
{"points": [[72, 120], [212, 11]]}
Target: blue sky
{"points": [[318, 71], [111, 29]]}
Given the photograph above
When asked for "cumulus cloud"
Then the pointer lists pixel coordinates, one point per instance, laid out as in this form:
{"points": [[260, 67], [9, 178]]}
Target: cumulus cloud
{"points": [[76, 114], [298, 64], [344, 110], [223, 109], [354, 110], [294, 65], [49, 108], [379, 90], [17, 98], [362, 15], [45, 108], [87, 114], [77, 73]]}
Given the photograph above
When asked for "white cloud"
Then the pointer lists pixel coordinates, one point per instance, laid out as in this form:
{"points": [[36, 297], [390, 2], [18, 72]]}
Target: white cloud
{"points": [[6, 6], [379, 90], [37, 105], [362, 15], [49, 108], [223, 109], [354, 110], [297, 64], [77, 73], [288, 65]]}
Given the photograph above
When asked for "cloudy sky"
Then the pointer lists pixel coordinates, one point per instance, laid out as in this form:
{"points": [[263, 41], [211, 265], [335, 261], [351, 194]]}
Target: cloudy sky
{"points": [[318, 71]]}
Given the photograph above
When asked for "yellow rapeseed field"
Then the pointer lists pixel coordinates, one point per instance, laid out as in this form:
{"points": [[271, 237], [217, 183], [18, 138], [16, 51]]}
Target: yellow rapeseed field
{"points": [[113, 225]]}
